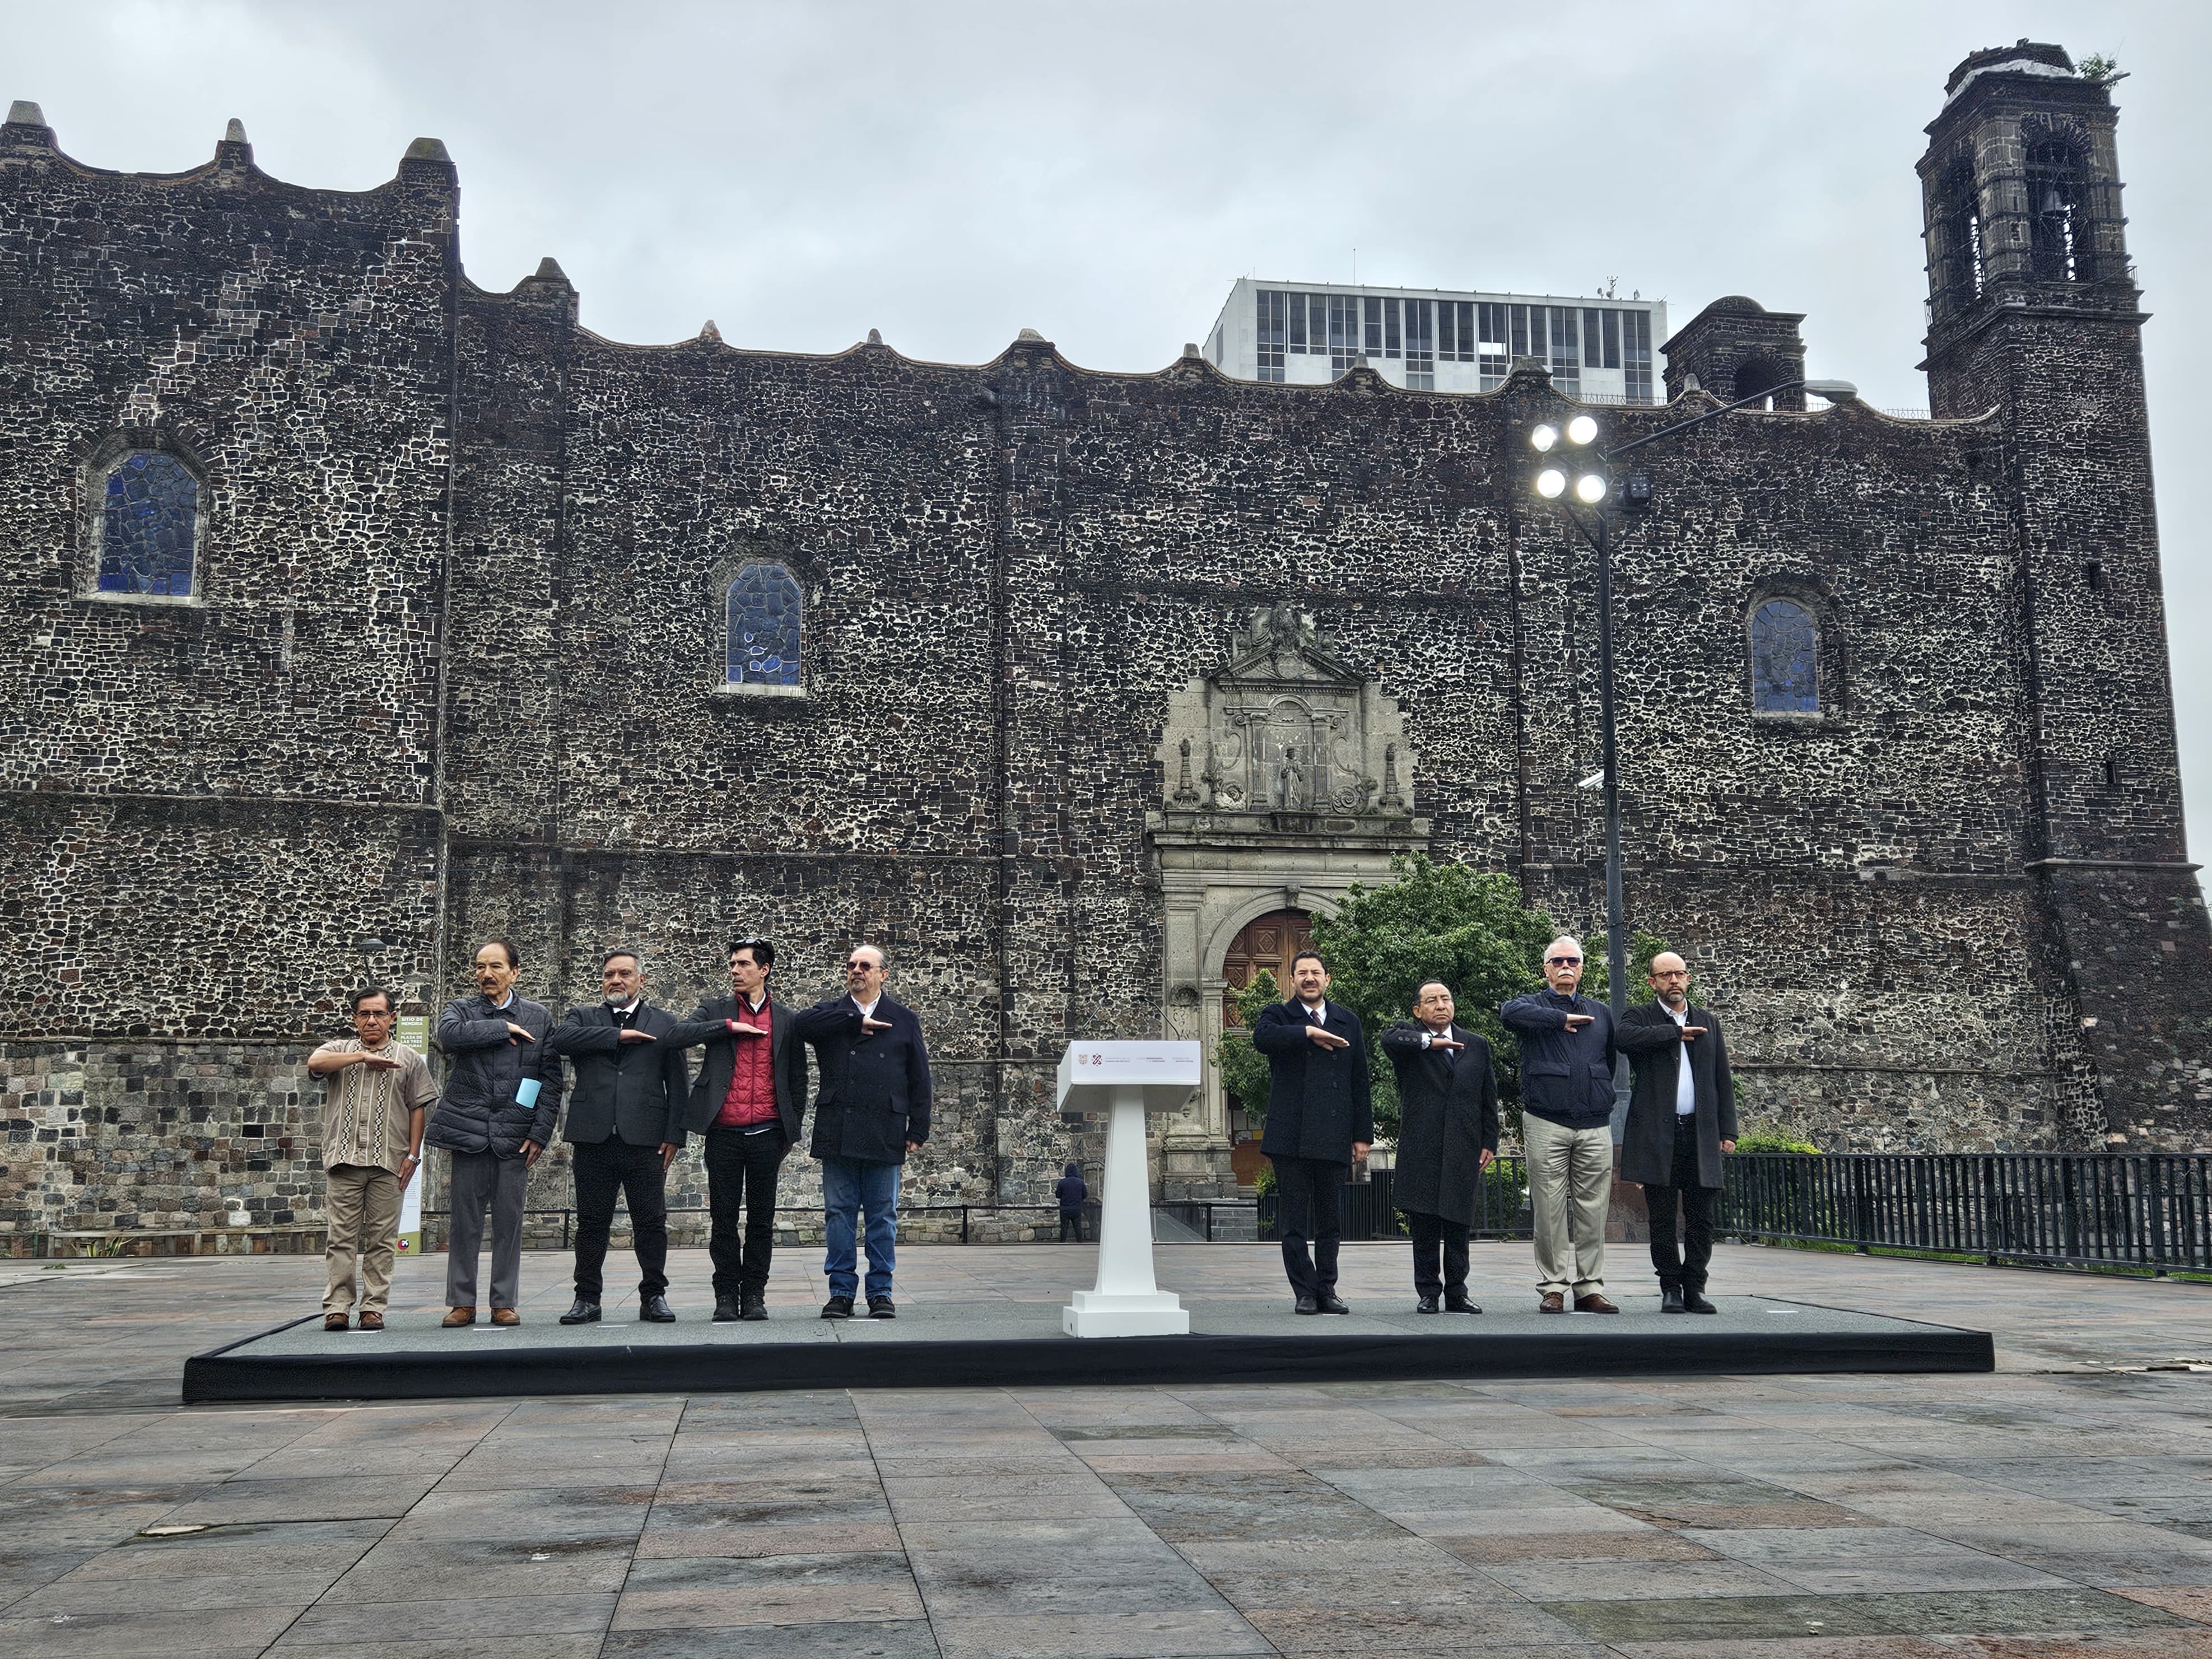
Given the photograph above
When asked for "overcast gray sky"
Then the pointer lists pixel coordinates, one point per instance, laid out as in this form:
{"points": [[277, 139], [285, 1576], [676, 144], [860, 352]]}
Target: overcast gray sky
{"points": [[951, 173]]}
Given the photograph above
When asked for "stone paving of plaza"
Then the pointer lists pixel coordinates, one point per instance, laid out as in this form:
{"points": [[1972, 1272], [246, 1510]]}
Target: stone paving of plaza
{"points": [[2061, 1506]]}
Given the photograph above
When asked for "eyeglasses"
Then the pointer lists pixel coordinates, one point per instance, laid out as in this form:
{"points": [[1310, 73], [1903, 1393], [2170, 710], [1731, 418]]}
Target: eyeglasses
{"points": [[379, 1013], [1563, 962], [852, 962], [1671, 973]]}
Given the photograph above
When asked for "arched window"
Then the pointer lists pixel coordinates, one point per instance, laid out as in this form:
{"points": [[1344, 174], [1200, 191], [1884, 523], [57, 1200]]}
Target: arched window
{"points": [[764, 618], [1785, 673], [1756, 374], [1956, 249], [149, 519]]}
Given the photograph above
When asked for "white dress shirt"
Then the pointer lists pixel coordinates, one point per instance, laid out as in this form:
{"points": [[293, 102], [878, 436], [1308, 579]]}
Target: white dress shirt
{"points": [[1685, 1086]]}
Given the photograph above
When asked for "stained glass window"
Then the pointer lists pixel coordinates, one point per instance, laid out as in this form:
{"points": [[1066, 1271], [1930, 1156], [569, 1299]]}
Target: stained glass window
{"points": [[148, 526], [764, 605], [1785, 675]]}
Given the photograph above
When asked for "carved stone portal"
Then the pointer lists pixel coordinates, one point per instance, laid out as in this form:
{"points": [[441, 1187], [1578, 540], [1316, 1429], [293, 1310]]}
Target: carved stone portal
{"points": [[1286, 778], [1287, 732]]}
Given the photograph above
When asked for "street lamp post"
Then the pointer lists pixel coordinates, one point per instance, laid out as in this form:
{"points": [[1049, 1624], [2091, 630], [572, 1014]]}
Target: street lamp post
{"points": [[1591, 485]]}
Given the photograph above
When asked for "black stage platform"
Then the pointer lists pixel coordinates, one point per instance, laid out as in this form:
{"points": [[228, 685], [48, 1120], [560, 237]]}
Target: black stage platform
{"points": [[1003, 1344]]}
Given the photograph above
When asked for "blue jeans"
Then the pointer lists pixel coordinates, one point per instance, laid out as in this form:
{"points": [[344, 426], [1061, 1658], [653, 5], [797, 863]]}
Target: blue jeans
{"points": [[849, 1185]]}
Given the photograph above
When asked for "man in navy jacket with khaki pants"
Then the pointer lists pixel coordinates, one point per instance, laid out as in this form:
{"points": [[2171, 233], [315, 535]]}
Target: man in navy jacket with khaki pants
{"points": [[1320, 1123], [1566, 1128]]}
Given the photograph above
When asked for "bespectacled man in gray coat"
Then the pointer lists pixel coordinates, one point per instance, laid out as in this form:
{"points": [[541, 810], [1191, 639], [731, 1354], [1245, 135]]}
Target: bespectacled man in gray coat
{"points": [[1681, 1119], [495, 1044]]}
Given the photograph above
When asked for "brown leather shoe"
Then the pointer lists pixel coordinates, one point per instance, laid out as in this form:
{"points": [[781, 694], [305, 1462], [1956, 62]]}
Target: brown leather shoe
{"points": [[371, 1321], [459, 1316], [1593, 1303], [336, 1321], [1553, 1301], [504, 1316]]}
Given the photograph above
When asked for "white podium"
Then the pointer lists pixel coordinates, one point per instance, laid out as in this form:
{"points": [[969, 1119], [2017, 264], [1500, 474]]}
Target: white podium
{"points": [[1129, 1078]]}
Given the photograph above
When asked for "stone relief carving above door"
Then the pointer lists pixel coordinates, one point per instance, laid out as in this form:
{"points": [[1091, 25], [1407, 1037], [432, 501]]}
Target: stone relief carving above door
{"points": [[1287, 736]]}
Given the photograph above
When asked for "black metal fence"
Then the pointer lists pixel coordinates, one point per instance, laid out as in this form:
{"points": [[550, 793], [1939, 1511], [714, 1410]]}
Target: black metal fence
{"points": [[2071, 1209], [2142, 1211]]}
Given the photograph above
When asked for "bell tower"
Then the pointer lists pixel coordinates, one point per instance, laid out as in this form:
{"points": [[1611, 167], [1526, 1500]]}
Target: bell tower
{"points": [[2033, 314]]}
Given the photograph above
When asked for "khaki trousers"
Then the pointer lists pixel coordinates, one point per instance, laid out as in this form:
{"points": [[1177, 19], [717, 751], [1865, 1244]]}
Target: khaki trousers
{"points": [[361, 1214], [1570, 1187]]}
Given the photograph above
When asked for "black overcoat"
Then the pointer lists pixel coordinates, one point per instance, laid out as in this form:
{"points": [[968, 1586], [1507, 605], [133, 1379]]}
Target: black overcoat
{"points": [[1653, 1045], [874, 1093], [1317, 1098], [1447, 1119], [719, 1062]]}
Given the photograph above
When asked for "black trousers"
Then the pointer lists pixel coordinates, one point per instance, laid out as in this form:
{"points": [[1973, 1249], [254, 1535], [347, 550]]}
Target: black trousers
{"points": [[1307, 1194], [604, 1168], [1437, 1242], [1071, 1226], [742, 1167], [1689, 1265]]}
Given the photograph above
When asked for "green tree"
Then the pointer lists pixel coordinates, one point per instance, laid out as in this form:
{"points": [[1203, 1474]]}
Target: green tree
{"points": [[1433, 920], [1244, 1068]]}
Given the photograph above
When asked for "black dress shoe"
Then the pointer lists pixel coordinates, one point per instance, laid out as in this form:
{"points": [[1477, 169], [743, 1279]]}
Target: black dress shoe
{"points": [[756, 1306], [584, 1313], [1462, 1303], [1308, 1305], [1696, 1303], [1670, 1298], [882, 1307], [726, 1310], [1428, 1305], [838, 1307], [656, 1310], [1327, 1301]]}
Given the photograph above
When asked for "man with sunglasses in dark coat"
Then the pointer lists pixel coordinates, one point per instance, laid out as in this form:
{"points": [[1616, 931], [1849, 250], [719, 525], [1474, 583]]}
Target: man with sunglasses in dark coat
{"points": [[747, 1102], [871, 1110]]}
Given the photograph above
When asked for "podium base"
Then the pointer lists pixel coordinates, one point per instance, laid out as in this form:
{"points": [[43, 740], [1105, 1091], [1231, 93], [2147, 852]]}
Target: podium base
{"points": [[1103, 1314]]}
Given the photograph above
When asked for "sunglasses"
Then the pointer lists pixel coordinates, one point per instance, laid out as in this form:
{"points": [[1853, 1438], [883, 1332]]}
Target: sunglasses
{"points": [[1562, 962], [854, 961]]}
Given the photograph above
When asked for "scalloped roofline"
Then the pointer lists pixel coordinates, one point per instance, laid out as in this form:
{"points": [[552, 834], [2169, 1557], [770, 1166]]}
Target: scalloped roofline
{"points": [[234, 157]]}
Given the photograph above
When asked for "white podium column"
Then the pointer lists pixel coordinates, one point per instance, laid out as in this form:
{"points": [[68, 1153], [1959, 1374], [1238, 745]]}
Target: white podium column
{"points": [[1127, 1300]]}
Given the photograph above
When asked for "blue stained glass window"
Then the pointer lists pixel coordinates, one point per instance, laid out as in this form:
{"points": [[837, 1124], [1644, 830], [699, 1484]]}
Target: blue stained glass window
{"points": [[765, 606], [1785, 674], [148, 526]]}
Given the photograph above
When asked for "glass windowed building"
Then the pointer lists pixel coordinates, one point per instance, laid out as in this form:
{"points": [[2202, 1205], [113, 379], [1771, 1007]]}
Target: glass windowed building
{"points": [[1598, 349]]}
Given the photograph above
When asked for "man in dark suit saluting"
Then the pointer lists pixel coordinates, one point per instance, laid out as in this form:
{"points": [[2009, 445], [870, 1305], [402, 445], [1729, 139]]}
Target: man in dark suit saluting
{"points": [[1447, 1135], [1320, 1122], [871, 1110], [1682, 1118], [748, 1101], [625, 1127]]}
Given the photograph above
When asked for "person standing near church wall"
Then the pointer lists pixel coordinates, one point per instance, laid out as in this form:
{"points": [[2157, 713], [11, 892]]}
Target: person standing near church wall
{"points": [[374, 1093], [1681, 1121], [748, 1102], [1566, 1125], [1447, 1136], [1321, 1122], [495, 1042], [871, 1110], [626, 1125]]}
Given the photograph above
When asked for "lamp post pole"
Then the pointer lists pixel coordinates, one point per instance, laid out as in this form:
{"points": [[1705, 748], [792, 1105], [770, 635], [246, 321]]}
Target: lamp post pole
{"points": [[1594, 488]]}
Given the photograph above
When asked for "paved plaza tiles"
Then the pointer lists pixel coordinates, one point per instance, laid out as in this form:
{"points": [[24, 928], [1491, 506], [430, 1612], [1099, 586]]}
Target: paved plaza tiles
{"points": [[2060, 1506]]}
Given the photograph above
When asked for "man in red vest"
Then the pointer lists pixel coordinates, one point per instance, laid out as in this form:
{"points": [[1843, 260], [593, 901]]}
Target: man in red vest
{"points": [[748, 1100]]}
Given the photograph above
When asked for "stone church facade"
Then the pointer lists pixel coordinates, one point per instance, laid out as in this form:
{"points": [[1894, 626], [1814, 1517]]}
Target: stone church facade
{"points": [[348, 601]]}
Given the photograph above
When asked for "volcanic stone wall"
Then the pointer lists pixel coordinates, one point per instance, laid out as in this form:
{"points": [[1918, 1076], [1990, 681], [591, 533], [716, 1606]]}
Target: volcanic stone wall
{"points": [[453, 666], [204, 802]]}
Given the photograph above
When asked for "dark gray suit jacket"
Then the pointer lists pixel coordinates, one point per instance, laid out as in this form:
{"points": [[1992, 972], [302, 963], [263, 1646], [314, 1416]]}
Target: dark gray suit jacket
{"points": [[631, 1089]]}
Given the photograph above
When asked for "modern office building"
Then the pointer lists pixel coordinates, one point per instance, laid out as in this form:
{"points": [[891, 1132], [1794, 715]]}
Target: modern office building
{"points": [[1427, 340]]}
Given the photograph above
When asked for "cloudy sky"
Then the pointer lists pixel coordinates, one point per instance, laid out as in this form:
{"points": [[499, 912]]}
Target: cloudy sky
{"points": [[950, 172]]}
